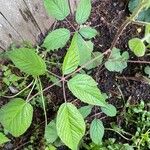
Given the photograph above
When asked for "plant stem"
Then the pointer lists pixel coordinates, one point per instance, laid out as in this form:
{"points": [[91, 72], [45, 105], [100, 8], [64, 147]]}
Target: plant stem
{"points": [[71, 24], [47, 88], [89, 62], [118, 133], [121, 29], [126, 23], [138, 61], [20, 91], [31, 90], [64, 91], [43, 100], [53, 74]]}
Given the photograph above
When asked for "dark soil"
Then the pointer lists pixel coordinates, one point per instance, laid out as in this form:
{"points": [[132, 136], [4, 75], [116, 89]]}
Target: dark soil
{"points": [[107, 16]]}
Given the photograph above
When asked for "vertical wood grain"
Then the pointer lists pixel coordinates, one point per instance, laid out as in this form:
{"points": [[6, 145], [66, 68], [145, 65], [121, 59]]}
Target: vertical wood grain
{"points": [[24, 20]]}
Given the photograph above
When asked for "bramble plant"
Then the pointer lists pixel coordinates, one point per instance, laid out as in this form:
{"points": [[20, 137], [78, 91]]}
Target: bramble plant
{"points": [[69, 125]]}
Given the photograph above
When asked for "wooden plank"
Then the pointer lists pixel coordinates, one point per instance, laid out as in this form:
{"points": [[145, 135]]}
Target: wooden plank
{"points": [[36, 7], [18, 15], [7, 34], [24, 20]]}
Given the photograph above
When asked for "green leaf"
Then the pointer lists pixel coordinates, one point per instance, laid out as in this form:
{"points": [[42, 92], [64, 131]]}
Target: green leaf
{"points": [[85, 50], [116, 61], [147, 70], [109, 110], [147, 34], [16, 116], [28, 61], [83, 11], [70, 125], [3, 139], [85, 89], [144, 14], [137, 46], [88, 32], [51, 132], [71, 60], [59, 9], [56, 39], [96, 131], [97, 62], [85, 110]]}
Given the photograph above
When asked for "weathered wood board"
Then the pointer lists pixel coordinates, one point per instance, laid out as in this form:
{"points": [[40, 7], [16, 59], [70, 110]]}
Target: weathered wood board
{"points": [[24, 20]]}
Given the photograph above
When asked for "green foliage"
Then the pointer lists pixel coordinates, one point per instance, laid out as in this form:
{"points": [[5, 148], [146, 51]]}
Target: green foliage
{"points": [[28, 61], [141, 119], [97, 62], [85, 50], [16, 116], [56, 39], [69, 128], [88, 32], [70, 125], [137, 46], [85, 89], [96, 131], [143, 15], [51, 132], [111, 144], [71, 60], [116, 61], [147, 70], [59, 9], [147, 34], [10, 78], [83, 11], [109, 110], [3, 139], [85, 110]]}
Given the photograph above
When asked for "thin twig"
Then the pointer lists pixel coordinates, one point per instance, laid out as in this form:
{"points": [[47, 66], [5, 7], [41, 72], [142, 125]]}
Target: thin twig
{"points": [[138, 61], [47, 88], [71, 24], [31, 90], [19, 92], [118, 133], [64, 91], [53, 74], [43, 101]]}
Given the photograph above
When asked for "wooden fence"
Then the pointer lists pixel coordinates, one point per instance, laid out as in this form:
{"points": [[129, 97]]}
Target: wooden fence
{"points": [[23, 20]]}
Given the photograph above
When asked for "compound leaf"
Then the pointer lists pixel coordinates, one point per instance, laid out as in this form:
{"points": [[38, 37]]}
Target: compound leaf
{"points": [[96, 131], [28, 61], [109, 110], [137, 46], [16, 116], [59, 9], [71, 60], [85, 110], [83, 11], [85, 89], [3, 139], [56, 39], [88, 32], [51, 132], [70, 125], [116, 61]]}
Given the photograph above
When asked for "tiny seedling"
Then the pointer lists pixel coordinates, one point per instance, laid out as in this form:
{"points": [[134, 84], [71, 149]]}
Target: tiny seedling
{"points": [[139, 46]]}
